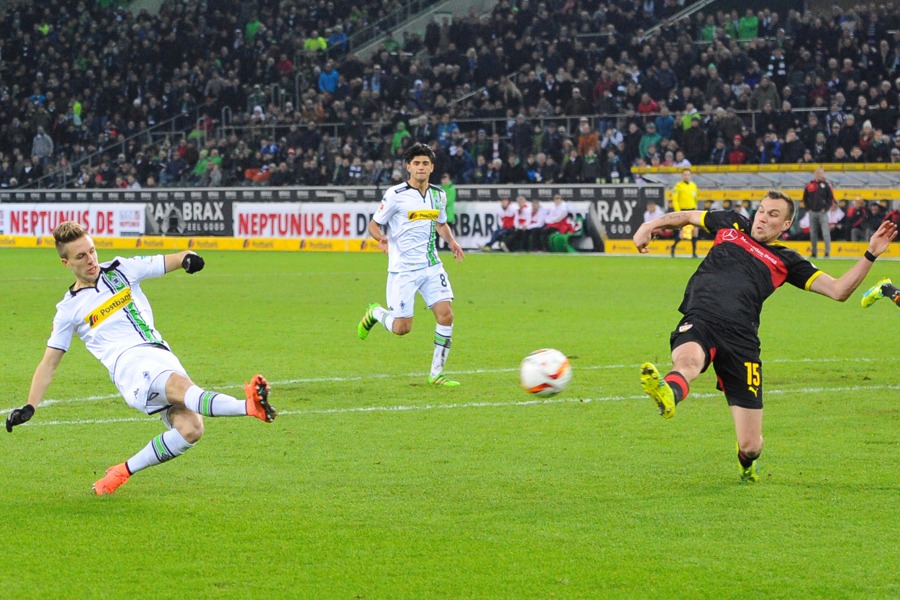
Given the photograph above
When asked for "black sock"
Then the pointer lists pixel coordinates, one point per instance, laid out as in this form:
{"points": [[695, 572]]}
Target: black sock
{"points": [[746, 461], [679, 385], [892, 292]]}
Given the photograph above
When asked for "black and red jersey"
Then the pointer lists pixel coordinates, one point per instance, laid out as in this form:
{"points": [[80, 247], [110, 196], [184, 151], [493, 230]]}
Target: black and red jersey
{"points": [[739, 273], [818, 196]]}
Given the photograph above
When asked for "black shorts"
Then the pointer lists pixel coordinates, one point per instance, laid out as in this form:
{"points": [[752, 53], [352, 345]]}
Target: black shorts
{"points": [[734, 354]]}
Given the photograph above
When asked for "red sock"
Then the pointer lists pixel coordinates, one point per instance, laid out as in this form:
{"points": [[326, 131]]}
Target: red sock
{"points": [[679, 385]]}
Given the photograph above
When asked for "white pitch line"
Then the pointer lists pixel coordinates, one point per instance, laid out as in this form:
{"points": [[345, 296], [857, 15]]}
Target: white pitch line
{"points": [[464, 405], [50, 402]]}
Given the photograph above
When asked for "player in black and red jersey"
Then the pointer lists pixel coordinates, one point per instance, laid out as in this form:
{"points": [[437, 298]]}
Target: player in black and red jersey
{"points": [[722, 304]]}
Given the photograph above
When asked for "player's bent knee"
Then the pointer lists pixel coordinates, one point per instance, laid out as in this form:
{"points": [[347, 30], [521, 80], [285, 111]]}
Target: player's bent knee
{"points": [[402, 326], [751, 448], [443, 313], [189, 425], [192, 433]]}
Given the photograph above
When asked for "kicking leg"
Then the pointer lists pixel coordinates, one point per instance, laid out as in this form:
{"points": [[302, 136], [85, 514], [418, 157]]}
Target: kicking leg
{"points": [[181, 390], [688, 360], [188, 402], [186, 430]]}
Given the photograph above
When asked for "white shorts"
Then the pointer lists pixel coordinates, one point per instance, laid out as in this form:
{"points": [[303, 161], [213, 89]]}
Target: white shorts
{"points": [[141, 374], [432, 282]]}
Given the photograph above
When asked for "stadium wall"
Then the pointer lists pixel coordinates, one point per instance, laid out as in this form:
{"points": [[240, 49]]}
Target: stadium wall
{"points": [[310, 219]]}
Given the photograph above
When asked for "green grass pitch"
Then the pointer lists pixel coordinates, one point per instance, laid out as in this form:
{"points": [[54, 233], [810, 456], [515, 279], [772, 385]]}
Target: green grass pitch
{"points": [[371, 484]]}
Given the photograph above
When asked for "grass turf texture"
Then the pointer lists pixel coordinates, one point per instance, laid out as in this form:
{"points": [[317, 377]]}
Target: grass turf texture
{"points": [[372, 484]]}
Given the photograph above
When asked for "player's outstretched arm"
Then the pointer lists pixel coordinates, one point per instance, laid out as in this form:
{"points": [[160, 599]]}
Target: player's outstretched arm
{"points": [[841, 288], [43, 377], [188, 260], [672, 220]]}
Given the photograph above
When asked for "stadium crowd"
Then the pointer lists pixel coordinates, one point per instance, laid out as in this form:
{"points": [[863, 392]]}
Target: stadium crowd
{"points": [[268, 93]]}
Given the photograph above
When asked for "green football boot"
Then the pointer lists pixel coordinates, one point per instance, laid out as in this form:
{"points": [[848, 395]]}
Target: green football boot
{"points": [[875, 293], [439, 379], [658, 390], [367, 322]]}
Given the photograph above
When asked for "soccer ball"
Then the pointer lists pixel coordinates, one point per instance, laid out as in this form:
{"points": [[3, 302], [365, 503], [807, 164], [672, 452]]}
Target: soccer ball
{"points": [[545, 372]]}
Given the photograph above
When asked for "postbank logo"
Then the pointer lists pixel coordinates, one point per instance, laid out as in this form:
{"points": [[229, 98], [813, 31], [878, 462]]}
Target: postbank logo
{"points": [[423, 215], [108, 308]]}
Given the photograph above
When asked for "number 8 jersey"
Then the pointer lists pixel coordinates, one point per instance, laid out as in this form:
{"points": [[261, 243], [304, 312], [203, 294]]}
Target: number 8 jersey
{"points": [[411, 220]]}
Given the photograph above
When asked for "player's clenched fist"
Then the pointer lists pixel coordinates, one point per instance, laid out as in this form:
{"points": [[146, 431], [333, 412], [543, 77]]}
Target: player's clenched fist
{"points": [[193, 263]]}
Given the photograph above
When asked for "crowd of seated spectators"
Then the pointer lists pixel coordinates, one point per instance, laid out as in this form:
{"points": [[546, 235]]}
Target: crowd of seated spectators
{"points": [[269, 93]]}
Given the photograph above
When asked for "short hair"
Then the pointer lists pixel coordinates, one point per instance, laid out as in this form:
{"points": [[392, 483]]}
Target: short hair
{"points": [[776, 195], [66, 232], [418, 149]]}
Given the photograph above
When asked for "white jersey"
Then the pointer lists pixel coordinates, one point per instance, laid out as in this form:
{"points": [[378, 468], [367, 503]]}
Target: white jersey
{"points": [[557, 213], [113, 316], [410, 219], [538, 218]]}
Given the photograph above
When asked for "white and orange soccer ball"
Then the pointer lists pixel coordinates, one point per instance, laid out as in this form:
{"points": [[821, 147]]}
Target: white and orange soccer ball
{"points": [[545, 372]]}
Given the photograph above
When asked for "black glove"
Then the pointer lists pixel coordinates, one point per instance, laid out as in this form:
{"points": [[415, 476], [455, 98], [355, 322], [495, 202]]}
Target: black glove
{"points": [[193, 263], [19, 416]]}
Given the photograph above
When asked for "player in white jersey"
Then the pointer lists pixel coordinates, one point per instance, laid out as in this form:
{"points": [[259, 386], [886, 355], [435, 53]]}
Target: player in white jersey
{"points": [[406, 225], [107, 309]]}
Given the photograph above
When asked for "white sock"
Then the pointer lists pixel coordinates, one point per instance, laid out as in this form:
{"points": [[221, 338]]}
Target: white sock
{"points": [[384, 317], [163, 447], [213, 404], [442, 340]]}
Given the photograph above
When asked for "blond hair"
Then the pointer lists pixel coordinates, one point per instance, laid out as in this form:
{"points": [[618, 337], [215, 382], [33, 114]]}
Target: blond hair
{"points": [[66, 232]]}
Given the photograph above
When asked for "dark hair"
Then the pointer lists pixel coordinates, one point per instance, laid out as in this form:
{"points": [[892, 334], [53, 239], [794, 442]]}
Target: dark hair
{"points": [[418, 149], [65, 232], [776, 195]]}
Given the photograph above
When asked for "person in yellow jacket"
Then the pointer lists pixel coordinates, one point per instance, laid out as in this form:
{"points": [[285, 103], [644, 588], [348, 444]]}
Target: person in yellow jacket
{"points": [[684, 197]]}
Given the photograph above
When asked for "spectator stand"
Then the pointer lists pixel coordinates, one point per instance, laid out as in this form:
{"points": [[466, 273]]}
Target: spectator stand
{"points": [[570, 48]]}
